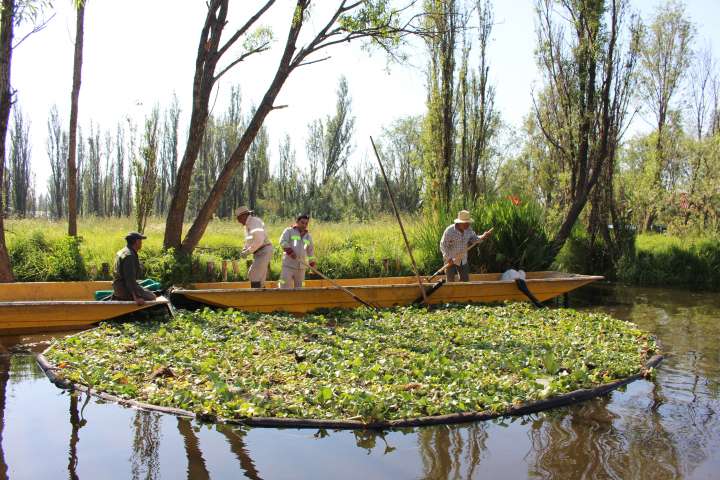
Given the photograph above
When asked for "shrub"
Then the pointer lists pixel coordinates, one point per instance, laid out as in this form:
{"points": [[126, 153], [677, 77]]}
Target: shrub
{"points": [[519, 239], [670, 261], [36, 259]]}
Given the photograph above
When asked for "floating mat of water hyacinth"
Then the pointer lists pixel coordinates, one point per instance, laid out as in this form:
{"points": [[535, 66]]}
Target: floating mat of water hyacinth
{"points": [[355, 365]]}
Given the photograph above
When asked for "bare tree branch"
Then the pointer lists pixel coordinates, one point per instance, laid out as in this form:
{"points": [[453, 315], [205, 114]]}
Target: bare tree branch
{"points": [[241, 31], [261, 48], [35, 29]]}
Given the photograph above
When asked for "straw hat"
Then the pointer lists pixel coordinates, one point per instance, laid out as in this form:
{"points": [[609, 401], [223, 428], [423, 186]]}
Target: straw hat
{"points": [[463, 217], [242, 210]]}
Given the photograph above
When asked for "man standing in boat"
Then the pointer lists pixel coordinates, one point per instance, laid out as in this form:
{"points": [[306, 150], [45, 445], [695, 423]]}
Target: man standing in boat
{"points": [[299, 250], [454, 246], [257, 243], [128, 270]]}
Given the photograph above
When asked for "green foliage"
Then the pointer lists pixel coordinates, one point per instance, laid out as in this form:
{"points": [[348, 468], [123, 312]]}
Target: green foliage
{"points": [[668, 261], [519, 239], [357, 364], [583, 253], [35, 258]]}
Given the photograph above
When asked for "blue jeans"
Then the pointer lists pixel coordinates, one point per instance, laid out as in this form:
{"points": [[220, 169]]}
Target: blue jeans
{"points": [[453, 270]]}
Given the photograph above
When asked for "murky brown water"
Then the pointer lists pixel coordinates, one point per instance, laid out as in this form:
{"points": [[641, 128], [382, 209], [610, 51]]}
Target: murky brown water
{"points": [[669, 428]]}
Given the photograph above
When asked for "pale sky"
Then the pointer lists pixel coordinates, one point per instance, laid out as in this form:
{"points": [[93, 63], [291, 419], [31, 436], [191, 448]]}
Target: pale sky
{"points": [[138, 52]]}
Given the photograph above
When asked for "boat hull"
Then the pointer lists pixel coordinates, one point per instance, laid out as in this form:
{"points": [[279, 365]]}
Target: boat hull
{"points": [[383, 292], [35, 307]]}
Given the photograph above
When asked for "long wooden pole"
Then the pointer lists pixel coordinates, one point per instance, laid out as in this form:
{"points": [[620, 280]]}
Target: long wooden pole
{"points": [[445, 267], [335, 284], [397, 215]]}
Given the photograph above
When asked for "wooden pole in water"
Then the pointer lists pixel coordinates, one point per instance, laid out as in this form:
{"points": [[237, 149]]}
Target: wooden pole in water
{"points": [[337, 285], [397, 215]]}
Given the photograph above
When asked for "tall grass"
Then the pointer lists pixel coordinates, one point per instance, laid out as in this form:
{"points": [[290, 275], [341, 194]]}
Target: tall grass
{"points": [[664, 260], [518, 241], [40, 250], [343, 249]]}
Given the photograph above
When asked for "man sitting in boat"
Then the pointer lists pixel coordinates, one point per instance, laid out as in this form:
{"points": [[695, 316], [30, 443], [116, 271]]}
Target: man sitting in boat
{"points": [[257, 243], [128, 270], [298, 246], [454, 246]]}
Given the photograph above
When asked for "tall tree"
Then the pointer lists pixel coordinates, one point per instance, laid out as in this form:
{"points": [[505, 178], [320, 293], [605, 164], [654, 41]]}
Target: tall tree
{"points": [[442, 17], [57, 147], [665, 58], [7, 24], [289, 187], [72, 176], [20, 177], [478, 117], [349, 20], [168, 155], [210, 52], [119, 188], [258, 164], [91, 178], [338, 134], [146, 171], [401, 144], [582, 110]]}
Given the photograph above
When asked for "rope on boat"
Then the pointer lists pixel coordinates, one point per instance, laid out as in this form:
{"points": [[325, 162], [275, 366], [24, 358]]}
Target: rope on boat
{"points": [[462, 417]]}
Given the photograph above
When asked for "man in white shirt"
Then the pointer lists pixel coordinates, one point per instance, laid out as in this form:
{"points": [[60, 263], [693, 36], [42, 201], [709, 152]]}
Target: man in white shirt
{"points": [[454, 243], [257, 243], [299, 250]]}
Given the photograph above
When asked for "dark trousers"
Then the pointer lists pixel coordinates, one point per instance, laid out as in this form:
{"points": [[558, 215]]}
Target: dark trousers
{"points": [[453, 271]]}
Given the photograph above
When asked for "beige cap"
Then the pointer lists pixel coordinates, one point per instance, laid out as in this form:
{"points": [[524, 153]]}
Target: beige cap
{"points": [[242, 210], [463, 217]]}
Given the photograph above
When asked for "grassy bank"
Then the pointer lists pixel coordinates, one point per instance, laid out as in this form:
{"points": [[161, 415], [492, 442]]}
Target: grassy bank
{"points": [[40, 250], [662, 260], [359, 364]]}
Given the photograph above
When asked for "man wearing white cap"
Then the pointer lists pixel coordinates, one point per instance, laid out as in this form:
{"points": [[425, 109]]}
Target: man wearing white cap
{"points": [[454, 243], [257, 243]]}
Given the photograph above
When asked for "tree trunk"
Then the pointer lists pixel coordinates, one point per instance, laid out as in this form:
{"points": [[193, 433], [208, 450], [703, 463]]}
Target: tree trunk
{"points": [[204, 79], [236, 158], [6, 39], [205, 214], [72, 180]]}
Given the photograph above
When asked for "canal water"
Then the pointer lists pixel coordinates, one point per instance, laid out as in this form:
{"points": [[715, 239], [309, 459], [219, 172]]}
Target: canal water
{"points": [[667, 428]]}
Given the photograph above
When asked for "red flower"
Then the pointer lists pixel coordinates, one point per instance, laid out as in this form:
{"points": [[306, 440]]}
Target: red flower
{"points": [[515, 200]]}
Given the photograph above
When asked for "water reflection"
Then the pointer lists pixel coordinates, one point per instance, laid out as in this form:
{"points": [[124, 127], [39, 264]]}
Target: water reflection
{"points": [[236, 439], [196, 468], [145, 458], [667, 428], [452, 451], [4, 377], [77, 421]]}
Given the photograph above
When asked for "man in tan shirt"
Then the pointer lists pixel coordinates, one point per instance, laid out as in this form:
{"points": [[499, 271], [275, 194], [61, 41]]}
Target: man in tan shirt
{"points": [[257, 243]]}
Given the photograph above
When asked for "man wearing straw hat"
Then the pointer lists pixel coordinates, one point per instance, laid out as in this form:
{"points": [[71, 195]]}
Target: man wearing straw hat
{"points": [[454, 246], [257, 243]]}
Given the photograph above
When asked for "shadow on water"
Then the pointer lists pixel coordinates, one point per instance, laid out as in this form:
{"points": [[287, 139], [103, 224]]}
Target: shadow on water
{"points": [[667, 428]]}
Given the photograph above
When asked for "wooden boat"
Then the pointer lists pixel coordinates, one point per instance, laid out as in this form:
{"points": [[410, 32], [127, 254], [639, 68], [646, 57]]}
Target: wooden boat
{"points": [[383, 292], [52, 306]]}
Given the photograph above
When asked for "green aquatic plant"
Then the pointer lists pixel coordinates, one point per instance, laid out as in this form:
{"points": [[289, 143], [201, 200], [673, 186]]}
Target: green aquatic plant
{"points": [[361, 365]]}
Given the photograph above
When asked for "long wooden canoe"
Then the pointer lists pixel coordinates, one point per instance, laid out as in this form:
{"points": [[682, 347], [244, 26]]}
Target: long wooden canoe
{"points": [[52, 306], [383, 292]]}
